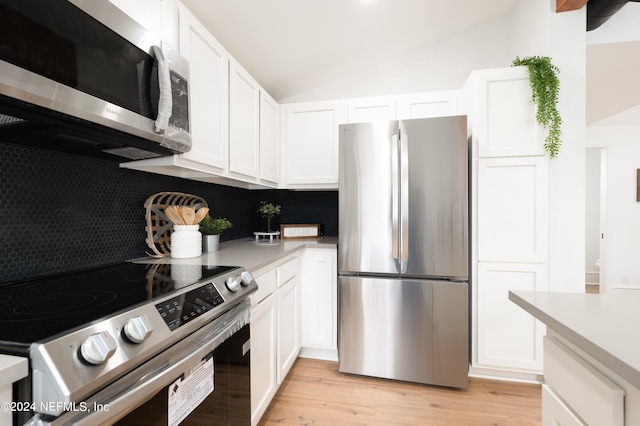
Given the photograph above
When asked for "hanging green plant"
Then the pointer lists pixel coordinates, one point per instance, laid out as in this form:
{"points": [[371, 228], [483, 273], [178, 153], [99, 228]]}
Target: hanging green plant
{"points": [[545, 86]]}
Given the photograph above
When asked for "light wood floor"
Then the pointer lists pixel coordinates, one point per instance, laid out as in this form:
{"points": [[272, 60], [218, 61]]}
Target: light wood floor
{"points": [[592, 289], [314, 393]]}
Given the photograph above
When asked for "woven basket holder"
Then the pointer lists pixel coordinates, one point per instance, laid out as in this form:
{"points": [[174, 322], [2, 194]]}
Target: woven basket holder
{"points": [[158, 227]]}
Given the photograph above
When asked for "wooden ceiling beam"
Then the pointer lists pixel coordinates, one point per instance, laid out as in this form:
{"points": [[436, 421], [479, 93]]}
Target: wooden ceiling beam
{"points": [[567, 5]]}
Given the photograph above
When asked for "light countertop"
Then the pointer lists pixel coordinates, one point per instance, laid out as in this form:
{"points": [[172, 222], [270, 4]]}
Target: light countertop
{"points": [[605, 326], [12, 369], [242, 252], [248, 253]]}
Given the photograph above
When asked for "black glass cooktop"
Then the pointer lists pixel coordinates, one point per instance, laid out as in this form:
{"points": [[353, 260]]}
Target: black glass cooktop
{"points": [[37, 309]]}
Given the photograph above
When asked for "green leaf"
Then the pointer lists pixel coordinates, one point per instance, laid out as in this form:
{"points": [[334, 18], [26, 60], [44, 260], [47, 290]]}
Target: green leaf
{"points": [[545, 88]]}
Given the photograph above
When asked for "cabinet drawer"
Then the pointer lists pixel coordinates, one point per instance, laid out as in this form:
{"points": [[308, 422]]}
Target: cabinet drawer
{"points": [[556, 412], [287, 271], [266, 286], [590, 394]]}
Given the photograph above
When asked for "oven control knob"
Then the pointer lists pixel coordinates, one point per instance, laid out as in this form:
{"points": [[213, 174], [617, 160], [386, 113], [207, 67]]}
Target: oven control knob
{"points": [[233, 284], [137, 329], [246, 278], [98, 348]]}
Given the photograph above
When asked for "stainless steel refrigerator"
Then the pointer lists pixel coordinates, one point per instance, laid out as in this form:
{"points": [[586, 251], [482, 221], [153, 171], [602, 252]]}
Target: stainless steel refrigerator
{"points": [[403, 253]]}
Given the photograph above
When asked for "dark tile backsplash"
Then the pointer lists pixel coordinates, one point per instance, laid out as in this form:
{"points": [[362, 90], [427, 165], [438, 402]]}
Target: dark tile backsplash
{"points": [[61, 212]]}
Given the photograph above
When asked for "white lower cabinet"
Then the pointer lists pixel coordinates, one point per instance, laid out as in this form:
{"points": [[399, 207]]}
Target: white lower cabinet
{"points": [[275, 331], [320, 301], [577, 392], [511, 210], [555, 411], [508, 338], [288, 327], [263, 355]]}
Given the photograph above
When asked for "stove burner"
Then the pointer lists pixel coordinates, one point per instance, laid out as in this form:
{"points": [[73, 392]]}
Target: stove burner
{"points": [[63, 304]]}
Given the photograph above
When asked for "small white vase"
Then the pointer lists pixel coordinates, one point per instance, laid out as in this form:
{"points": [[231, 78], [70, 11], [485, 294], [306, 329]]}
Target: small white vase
{"points": [[210, 243], [186, 241]]}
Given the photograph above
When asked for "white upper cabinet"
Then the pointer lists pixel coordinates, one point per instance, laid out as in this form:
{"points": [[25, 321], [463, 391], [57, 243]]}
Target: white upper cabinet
{"points": [[312, 143], [365, 110], [208, 92], [269, 138], [403, 107], [244, 118], [504, 118], [157, 16], [426, 105]]}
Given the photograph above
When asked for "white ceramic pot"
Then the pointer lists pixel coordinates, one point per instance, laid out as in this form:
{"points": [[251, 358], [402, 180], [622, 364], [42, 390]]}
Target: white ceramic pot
{"points": [[186, 241]]}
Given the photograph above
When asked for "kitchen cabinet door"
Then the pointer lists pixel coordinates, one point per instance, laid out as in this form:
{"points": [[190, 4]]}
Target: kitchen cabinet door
{"points": [[319, 296], [263, 355], [507, 337], [585, 389], [365, 110], [513, 209], [269, 138], [158, 16], [504, 121], [208, 93], [288, 326], [312, 144], [244, 116], [427, 105], [555, 411]]}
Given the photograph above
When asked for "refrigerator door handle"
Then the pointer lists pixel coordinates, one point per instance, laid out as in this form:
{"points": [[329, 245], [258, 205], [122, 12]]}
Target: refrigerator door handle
{"points": [[395, 196], [404, 201]]}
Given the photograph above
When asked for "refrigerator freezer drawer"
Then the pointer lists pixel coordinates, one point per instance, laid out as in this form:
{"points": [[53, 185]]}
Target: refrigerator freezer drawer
{"points": [[411, 330]]}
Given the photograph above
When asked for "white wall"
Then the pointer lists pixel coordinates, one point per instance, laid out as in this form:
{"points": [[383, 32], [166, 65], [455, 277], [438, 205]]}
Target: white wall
{"points": [[622, 232], [444, 65]]}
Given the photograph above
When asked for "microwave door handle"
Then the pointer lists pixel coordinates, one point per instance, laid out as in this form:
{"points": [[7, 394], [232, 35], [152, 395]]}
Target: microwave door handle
{"points": [[164, 82]]}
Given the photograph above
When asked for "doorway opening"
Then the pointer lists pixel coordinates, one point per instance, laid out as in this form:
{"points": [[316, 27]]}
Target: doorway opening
{"points": [[595, 220]]}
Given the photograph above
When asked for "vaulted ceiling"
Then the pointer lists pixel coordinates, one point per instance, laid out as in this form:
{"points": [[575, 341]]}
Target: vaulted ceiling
{"points": [[292, 46]]}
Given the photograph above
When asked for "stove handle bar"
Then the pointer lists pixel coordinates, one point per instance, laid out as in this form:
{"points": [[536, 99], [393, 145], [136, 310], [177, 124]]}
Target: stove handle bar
{"points": [[140, 385]]}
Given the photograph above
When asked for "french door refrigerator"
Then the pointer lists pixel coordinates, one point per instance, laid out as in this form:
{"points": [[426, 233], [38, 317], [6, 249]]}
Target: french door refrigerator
{"points": [[403, 252]]}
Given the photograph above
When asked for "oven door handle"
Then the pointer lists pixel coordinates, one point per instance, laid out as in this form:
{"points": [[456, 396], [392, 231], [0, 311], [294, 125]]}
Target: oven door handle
{"points": [[140, 385]]}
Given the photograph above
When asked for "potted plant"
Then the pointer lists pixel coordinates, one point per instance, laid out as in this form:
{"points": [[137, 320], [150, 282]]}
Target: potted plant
{"points": [[269, 211], [545, 88], [211, 230]]}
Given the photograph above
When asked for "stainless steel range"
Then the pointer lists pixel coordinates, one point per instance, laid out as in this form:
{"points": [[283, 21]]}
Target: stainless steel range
{"points": [[102, 342]]}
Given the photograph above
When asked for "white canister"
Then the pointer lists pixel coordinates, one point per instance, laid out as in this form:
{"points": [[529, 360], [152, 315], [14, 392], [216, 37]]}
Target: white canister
{"points": [[186, 241]]}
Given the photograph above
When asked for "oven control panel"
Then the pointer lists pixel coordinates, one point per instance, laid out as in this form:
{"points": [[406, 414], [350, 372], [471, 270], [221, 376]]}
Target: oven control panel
{"points": [[188, 306]]}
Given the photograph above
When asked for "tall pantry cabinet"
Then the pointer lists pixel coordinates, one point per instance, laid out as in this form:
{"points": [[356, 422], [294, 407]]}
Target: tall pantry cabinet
{"points": [[510, 224]]}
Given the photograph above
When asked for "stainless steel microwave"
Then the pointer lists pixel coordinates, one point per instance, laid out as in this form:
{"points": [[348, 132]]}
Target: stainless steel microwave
{"points": [[83, 77]]}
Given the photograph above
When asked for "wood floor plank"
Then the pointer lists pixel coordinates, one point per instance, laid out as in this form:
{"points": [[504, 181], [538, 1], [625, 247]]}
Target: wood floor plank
{"points": [[314, 393]]}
